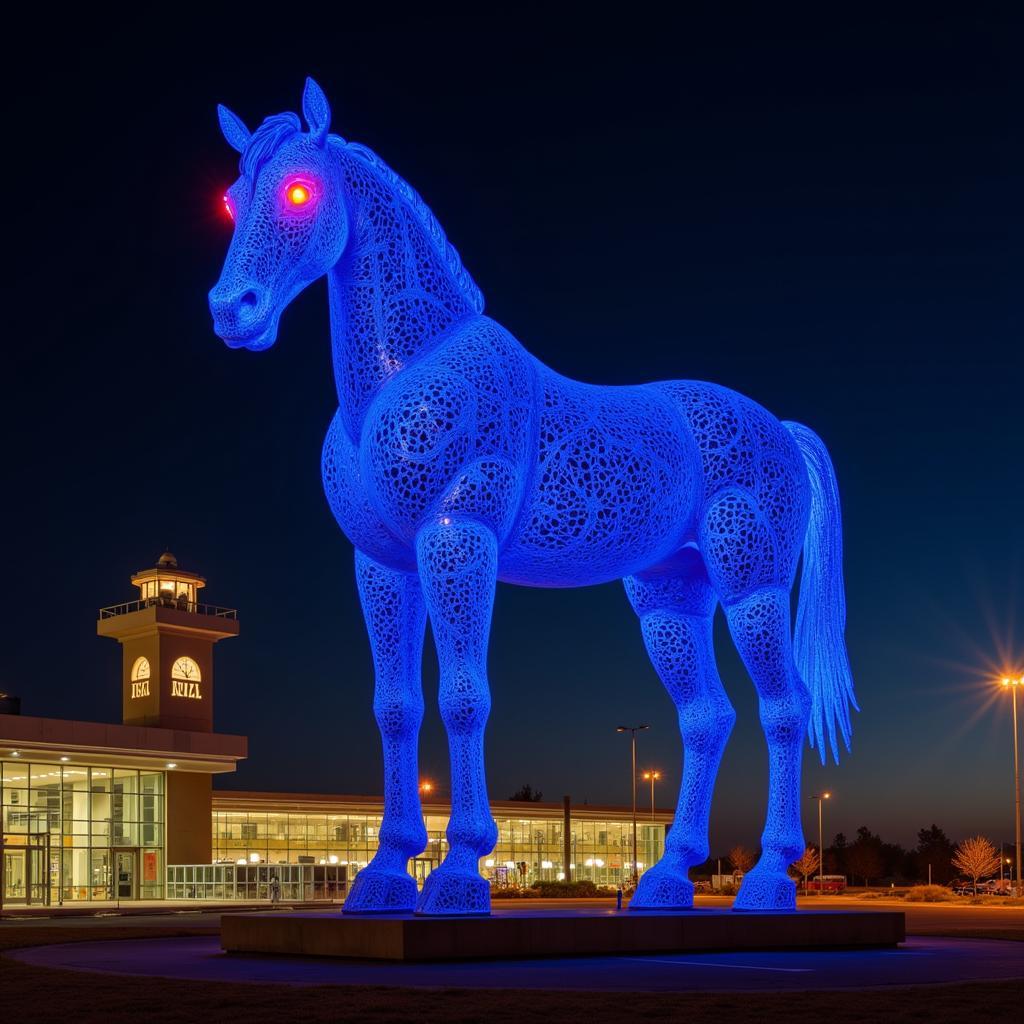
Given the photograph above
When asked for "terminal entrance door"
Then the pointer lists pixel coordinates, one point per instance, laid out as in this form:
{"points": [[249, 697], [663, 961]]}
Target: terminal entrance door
{"points": [[25, 877], [124, 874], [422, 866], [15, 875]]}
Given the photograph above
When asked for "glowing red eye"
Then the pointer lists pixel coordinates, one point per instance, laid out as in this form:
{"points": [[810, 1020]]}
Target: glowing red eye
{"points": [[299, 194], [229, 206]]}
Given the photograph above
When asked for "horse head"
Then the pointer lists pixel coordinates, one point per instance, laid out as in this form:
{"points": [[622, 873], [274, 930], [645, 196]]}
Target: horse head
{"points": [[290, 216]]}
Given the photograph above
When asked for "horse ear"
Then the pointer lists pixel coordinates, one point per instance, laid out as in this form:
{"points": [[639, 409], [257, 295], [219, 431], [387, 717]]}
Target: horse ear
{"points": [[233, 128], [317, 111]]}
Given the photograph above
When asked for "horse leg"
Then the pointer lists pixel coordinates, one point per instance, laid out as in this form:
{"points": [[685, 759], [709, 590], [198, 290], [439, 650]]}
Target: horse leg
{"points": [[676, 616], [746, 569], [458, 563], [395, 620]]}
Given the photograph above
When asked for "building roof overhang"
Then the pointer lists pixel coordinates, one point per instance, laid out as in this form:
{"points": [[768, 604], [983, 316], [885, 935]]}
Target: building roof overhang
{"points": [[324, 803], [48, 740]]}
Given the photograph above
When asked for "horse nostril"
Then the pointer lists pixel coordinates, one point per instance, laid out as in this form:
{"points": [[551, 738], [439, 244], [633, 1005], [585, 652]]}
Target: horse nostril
{"points": [[249, 301]]}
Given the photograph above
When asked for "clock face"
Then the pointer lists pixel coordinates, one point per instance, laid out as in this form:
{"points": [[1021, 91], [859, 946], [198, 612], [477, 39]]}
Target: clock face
{"points": [[185, 668], [140, 670]]}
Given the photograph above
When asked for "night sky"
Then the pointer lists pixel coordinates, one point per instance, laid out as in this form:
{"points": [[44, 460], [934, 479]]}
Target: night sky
{"points": [[824, 216]]}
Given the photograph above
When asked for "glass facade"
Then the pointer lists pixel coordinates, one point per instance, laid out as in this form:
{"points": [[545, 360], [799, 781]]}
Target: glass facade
{"points": [[529, 848], [81, 832]]}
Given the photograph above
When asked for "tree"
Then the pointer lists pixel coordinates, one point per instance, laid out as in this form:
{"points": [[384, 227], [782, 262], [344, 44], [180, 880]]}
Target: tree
{"points": [[976, 857], [864, 857], [835, 856], [742, 859], [934, 849], [807, 864], [526, 794]]}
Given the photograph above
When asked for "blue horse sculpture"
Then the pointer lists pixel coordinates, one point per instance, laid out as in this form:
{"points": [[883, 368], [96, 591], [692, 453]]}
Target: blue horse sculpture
{"points": [[457, 459]]}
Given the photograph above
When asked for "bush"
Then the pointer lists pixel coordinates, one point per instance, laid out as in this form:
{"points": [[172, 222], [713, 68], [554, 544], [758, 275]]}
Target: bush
{"points": [[582, 889], [728, 889], [512, 892], [928, 894]]}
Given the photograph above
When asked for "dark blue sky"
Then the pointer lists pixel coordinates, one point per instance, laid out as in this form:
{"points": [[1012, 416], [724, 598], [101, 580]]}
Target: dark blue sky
{"points": [[825, 216]]}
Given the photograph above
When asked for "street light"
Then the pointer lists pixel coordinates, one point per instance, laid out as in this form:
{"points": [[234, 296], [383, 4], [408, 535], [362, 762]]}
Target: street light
{"points": [[1013, 685], [633, 730], [653, 776], [426, 787], [821, 798]]}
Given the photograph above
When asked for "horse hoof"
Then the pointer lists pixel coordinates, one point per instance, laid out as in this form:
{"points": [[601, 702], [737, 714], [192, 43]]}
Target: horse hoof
{"points": [[766, 891], [662, 891], [381, 892], [451, 892]]}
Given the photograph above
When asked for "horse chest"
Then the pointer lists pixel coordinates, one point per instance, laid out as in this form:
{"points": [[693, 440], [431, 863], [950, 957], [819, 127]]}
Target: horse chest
{"points": [[352, 503]]}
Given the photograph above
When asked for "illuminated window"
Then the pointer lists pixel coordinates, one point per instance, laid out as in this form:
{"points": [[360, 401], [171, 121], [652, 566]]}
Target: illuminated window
{"points": [[186, 670], [140, 670], [185, 678]]}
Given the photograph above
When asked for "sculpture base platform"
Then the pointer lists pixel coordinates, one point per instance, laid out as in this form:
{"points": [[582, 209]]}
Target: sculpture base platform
{"points": [[582, 931]]}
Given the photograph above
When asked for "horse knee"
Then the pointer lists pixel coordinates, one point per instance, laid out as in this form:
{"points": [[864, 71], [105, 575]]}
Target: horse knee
{"points": [[465, 702], [706, 725], [398, 714], [784, 718]]}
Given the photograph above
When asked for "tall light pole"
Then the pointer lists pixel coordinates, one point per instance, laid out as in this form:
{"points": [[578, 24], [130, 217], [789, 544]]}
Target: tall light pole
{"points": [[821, 798], [652, 775], [1013, 685], [633, 730]]}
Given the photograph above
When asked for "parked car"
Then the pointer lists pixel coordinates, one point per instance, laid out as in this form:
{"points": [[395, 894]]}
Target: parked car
{"points": [[826, 883]]}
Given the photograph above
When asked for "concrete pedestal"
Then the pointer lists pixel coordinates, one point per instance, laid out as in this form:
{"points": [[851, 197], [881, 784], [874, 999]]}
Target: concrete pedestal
{"points": [[519, 933]]}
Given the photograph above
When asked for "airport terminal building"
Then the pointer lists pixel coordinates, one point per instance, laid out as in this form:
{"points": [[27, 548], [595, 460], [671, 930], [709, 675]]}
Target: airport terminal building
{"points": [[97, 812]]}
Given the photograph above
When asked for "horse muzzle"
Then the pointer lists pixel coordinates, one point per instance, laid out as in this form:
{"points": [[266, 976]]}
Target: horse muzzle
{"points": [[244, 317]]}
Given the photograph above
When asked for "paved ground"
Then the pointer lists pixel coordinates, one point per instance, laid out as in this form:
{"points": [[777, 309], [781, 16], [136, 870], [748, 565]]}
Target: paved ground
{"points": [[922, 918], [930, 956], [919, 961]]}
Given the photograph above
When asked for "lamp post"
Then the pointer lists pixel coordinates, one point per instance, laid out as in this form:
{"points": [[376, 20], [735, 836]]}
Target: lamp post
{"points": [[426, 788], [633, 730], [821, 798], [652, 775], [1013, 685]]}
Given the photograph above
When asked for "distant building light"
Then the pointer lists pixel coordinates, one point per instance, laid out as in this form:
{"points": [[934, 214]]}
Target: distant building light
{"points": [[172, 764], [546, 864], [15, 753], [489, 863], [64, 757], [510, 864], [241, 860], [332, 859], [560, 876], [254, 858]]}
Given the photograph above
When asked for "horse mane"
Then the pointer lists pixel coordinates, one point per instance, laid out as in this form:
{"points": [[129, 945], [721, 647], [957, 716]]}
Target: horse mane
{"points": [[435, 233], [279, 128]]}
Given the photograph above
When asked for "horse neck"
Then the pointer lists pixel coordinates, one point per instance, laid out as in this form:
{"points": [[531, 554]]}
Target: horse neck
{"points": [[386, 311]]}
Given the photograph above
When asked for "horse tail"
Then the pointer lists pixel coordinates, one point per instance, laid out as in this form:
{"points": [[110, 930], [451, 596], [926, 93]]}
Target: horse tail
{"points": [[819, 646]]}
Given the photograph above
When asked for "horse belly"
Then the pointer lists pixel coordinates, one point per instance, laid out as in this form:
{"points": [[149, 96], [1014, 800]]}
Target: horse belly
{"points": [[615, 488]]}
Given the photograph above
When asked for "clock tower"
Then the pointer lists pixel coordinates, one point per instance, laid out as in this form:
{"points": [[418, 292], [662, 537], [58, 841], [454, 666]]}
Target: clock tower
{"points": [[167, 639]]}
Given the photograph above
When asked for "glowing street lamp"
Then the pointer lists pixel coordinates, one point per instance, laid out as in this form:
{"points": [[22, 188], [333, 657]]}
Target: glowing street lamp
{"points": [[1013, 685], [633, 730], [652, 775], [426, 787], [821, 798]]}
